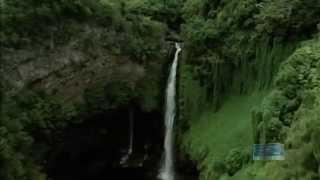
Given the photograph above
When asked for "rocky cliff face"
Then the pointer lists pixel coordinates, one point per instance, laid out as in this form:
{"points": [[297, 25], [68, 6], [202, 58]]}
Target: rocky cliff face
{"points": [[107, 85], [65, 71]]}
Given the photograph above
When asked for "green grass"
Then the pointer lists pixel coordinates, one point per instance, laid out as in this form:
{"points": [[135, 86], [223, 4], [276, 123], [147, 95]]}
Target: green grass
{"points": [[213, 134]]}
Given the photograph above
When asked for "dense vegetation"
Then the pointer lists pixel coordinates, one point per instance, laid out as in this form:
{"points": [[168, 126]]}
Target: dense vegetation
{"points": [[257, 60], [234, 51], [30, 124], [247, 38], [60, 21], [33, 122]]}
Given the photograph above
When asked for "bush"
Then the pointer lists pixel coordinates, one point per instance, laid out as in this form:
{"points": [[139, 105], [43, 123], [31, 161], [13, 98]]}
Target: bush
{"points": [[235, 160], [144, 39]]}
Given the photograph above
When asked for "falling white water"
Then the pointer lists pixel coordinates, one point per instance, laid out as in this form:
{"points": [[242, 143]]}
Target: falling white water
{"points": [[167, 170], [125, 158], [131, 133]]}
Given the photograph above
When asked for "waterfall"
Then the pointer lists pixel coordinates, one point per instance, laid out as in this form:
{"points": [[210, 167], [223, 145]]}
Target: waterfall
{"points": [[131, 131], [167, 169], [125, 158]]}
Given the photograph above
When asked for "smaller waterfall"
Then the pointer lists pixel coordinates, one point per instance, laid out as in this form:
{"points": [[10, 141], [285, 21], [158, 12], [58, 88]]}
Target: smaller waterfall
{"points": [[131, 132], [125, 158], [167, 170]]}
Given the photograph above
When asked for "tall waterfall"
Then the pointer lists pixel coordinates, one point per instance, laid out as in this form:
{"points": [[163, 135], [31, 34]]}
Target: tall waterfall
{"points": [[167, 170]]}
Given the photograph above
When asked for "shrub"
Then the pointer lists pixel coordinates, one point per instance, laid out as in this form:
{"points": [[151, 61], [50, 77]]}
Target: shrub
{"points": [[235, 160]]}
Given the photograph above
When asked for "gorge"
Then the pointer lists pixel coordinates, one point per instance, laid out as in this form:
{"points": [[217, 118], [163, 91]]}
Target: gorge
{"points": [[159, 89]]}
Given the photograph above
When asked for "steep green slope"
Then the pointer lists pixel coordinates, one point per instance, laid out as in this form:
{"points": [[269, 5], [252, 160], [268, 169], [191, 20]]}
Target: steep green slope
{"points": [[214, 136], [221, 142], [235, 48], [290, 114], [299, 130]]}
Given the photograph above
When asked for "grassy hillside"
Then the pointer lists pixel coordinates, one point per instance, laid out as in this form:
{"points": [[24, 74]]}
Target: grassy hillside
{"points": [[221, 141], [213, 136], [233, 49]]}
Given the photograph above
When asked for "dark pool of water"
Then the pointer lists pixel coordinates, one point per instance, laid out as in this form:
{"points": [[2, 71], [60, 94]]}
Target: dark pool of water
{"points": [[136, 174], [185, 177]]}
